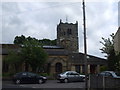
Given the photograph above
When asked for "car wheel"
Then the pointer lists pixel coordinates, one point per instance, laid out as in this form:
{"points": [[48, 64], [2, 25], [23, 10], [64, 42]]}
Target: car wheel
{"points": [[17, 81], [66, 80], [40, 81]]}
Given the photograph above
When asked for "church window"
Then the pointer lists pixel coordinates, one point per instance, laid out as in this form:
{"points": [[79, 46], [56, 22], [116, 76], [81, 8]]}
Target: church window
{"points": [[69, 31], [77, 68], [59, 29], [64, 33], [58, 67]]}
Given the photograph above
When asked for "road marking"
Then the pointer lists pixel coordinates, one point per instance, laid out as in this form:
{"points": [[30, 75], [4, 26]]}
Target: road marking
{"points": [[22, 85]]}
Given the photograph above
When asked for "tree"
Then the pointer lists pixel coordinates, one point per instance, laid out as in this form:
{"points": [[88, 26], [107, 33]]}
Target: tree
{"points": [[112, 60], [48, 42], [33, 54], [108, 49], [14, 60], [19, 40], [108, 45], [117, 64]]}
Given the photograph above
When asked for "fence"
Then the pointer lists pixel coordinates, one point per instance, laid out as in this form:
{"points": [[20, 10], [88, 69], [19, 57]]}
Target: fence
{"points": [[103, 82]]}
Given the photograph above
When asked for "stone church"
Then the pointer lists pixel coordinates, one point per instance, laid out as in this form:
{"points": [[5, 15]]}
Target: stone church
{"points": [[65, 55]]}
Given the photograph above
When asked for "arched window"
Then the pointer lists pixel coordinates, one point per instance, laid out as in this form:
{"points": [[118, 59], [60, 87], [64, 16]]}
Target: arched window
{"points": [[58, 67]]}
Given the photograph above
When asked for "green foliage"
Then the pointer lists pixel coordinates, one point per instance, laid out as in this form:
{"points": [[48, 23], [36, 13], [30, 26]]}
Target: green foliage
{"points": [[103, 68], [108, 45], [112, 60], [9, 74], [48, 42], [108, 48], [31, 53], [117, 64], [13, 57], [21, 39], [14, 60]]}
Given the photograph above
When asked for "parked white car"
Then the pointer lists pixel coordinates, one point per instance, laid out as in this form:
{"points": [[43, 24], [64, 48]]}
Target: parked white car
{"points": [[70, 76]]}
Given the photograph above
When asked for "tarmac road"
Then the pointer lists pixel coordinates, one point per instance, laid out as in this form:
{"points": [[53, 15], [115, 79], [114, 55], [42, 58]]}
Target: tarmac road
{"points": [[49, 84]]}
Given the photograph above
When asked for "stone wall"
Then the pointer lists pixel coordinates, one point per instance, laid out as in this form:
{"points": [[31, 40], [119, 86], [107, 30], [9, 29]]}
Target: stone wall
{"points": [[117, 41]]}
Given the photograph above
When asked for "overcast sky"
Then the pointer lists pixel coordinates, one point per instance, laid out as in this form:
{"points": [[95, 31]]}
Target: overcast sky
{"points": [[40, 19]]}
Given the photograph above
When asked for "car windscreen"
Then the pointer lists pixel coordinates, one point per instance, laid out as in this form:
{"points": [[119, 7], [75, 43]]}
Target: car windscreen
{"points": [[63, 73], [117, 73], [17, 74]]}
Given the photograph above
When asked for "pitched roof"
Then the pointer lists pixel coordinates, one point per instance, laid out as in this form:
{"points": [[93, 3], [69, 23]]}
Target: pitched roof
{"points": [[51, 50], [78, 58]]}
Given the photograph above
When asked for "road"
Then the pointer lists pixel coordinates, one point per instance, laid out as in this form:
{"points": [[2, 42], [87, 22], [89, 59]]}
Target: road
{"points": [[54, 84]]}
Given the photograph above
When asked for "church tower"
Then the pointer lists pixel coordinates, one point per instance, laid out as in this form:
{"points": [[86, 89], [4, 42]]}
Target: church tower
{"points": [[67, 36]]}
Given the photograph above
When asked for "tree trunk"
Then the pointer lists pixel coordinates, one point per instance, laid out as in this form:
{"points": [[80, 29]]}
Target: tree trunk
{"points": [[26, 66]]}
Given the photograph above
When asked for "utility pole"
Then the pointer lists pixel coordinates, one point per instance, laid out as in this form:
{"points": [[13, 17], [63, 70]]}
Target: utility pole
{"points": [[85, 46]]}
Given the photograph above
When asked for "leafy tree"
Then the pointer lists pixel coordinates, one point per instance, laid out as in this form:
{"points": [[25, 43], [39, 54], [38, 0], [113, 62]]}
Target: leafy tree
{"points": [[14, 60], [112, 60], [108, 45], [108, 49], [48, 42], [117, 64], [19, 39], [54, 42], [33, 54], [103, 68]]}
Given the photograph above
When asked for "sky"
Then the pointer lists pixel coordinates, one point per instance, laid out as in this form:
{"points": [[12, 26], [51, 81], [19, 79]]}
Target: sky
{"points": [[40, 20]]}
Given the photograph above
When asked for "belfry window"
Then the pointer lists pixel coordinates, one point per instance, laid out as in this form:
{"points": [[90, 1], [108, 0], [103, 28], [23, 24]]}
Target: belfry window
{"points": [[63, 33], [69, 31]]}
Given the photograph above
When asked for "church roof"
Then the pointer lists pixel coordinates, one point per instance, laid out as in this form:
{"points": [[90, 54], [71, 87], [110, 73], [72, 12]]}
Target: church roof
{"points": [[51, 50], [5, 48], [52, 47], [78, 58]]}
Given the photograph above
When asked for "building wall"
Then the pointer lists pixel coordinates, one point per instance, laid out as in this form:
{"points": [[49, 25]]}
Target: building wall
{"points": [[53, 60], [0, 65], [66, 61], [117, 41]]}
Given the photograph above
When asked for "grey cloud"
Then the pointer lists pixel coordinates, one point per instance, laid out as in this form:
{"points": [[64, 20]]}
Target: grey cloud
{"points": [[119, 13], [9, 8]]}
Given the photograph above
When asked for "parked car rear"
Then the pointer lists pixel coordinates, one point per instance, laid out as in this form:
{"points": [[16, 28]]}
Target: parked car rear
{"points": [[110, 74], [28, 77], [70, 76]]}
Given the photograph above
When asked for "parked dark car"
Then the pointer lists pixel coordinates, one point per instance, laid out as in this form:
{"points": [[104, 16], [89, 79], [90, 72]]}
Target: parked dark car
{"points": [[70, 76], [110, 74], [28, 77]]}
